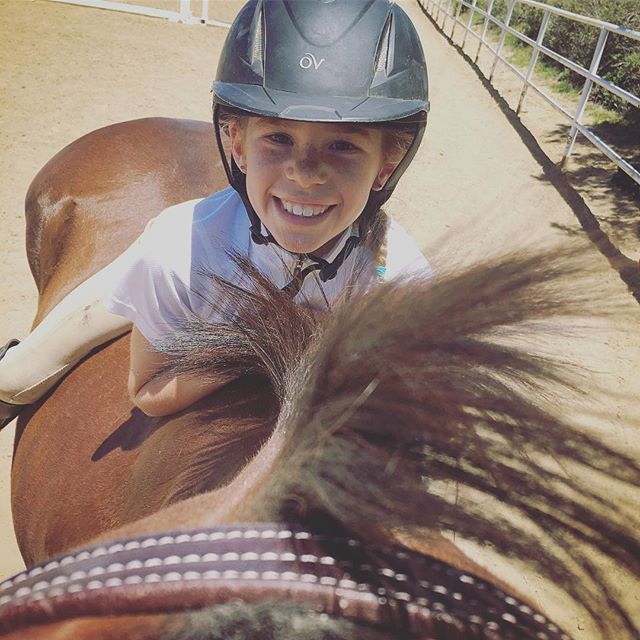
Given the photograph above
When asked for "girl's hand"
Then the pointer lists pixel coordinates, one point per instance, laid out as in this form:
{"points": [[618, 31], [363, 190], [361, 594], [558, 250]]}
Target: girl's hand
{"points": [[161, 395]]}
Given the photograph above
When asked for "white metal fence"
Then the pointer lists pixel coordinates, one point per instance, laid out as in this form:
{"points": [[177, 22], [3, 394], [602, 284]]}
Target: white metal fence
{"points": [[443, 11], [181, 13], [450, 11]]}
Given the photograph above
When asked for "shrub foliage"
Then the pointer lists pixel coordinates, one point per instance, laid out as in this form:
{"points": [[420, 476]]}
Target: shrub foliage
{"points": [[620, 62]]}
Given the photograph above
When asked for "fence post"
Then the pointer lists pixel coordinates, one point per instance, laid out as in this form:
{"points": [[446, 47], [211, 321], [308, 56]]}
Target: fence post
{"points": [[185, 12], [455, 18], [484, 30], [205, 11], [469, 21], [534, 58], [447, 12], [503, 36], [586, 91]]}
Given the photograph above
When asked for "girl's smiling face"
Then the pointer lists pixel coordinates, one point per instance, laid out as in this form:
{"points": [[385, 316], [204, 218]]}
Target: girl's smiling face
{"points": [[308, 181]]}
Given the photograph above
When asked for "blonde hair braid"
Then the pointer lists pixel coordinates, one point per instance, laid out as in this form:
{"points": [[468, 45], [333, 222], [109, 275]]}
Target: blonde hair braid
{"points": [[376, 242]]}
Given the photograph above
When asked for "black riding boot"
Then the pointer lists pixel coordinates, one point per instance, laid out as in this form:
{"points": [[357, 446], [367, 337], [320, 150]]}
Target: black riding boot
{"points": [[8, 411]]}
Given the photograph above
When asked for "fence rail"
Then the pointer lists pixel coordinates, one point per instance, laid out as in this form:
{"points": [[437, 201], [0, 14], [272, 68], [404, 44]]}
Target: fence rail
{"points": [[182, 12], [442, 11]]}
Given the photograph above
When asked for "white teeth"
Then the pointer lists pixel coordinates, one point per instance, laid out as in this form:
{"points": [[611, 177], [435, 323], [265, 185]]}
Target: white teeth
{"points": [[302, 209]]}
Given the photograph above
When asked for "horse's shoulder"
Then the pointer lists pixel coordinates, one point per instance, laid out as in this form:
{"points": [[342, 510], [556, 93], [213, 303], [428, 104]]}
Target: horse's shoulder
{"points": [[106, 155], [108, 184]]}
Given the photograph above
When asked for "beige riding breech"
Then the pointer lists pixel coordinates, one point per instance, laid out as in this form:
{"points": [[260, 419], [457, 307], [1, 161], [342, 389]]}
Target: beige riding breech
{"points": [[76, 325]]}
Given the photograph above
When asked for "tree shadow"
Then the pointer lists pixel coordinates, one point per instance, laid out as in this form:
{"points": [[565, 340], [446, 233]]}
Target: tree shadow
{"points": [[627, 219], [599, 178]]}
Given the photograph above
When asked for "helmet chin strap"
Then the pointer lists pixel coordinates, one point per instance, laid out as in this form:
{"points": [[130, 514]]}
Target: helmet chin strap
{"points": [[237, 180], [326, 270]]}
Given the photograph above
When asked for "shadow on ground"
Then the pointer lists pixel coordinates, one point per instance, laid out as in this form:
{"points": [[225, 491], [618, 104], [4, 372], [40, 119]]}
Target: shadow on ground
{"points": [[589, 174], [599, 180]]}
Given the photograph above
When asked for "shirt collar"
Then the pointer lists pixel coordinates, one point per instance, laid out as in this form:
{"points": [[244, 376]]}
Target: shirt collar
{"points": [[329, 256]]}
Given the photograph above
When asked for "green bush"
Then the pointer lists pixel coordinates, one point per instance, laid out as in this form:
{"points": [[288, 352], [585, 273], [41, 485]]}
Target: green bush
{"points": [[620, 62]]}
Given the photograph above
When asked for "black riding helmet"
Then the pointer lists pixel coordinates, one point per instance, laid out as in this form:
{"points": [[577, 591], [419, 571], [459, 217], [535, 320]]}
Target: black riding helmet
{"points": [[357, 61]]}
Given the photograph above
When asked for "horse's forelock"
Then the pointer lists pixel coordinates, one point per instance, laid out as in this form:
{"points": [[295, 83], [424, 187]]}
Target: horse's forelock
{"points": [[259, 331], [418, 405]]}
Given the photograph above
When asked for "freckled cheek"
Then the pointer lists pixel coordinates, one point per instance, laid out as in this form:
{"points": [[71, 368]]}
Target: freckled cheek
{"points": [[363, 171], [269, 158], [263, 170], [355, 179]]}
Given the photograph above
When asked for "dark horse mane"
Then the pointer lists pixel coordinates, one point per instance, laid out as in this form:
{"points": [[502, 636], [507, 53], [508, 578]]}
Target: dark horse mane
{"points": [[423, 406]]}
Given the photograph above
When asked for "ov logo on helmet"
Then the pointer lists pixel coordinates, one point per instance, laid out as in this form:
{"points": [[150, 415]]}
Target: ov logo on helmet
{"points": [[308, 60]]}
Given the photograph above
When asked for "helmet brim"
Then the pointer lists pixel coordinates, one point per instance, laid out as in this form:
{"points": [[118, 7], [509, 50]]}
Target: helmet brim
{"points": [[272, 103]]}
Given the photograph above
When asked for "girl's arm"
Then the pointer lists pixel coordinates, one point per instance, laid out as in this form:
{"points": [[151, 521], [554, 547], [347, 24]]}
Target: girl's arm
{"points": [[164, 395]]}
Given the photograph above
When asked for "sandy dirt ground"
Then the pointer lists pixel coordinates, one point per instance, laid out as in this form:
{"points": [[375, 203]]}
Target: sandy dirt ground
{"points": [[478, 185]]}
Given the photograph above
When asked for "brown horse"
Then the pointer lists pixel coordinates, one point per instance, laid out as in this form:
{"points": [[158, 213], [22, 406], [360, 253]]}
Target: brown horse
{"points": [[365, 435]]}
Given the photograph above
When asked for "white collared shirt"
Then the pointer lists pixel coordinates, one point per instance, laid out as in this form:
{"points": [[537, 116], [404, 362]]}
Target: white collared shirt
{"points": [[165, 276]]}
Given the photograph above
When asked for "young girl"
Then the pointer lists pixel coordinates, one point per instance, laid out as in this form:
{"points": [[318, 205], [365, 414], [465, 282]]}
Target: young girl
{"points": [[324, 104]]}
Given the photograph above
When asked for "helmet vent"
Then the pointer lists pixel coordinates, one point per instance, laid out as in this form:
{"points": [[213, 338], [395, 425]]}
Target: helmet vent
{"points": [[257, 50], [382, 64]]}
